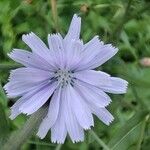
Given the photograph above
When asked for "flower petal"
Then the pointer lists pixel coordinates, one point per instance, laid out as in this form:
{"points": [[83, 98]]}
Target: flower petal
{"points": [[16, 89], [73, 53], [75, 131], [21, 81], [56, 46], [58, 130], [80, 109], [29, 75], [93, 95], [37, 45], [15, 108], [103, 114], [95, 105], [117, 86], [74, 29], [38, 99], [91, 49], [96, 78], [29, 59], [95, 53], [52, 114]]}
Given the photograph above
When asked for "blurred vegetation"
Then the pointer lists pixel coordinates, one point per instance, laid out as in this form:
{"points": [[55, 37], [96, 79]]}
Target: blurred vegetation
{"points": [[126, 24]]}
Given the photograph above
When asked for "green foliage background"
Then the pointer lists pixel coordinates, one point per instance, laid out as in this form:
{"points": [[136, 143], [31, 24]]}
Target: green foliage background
{"points": [[126, 24]]}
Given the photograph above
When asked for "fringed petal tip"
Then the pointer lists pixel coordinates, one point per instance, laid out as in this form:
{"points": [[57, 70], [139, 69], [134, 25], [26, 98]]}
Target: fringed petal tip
{"points": [[24, 36], [114, 49], [74, 29], [11, 54], [54, 34], [126, 86], [12, 117], [110, 121], [76, 16], [118, 86], [108, 103], [57, 141], [77, 141], [25, 113], [8, 93], [88, 128], [40, 135], [62, 142], [5, 87]]}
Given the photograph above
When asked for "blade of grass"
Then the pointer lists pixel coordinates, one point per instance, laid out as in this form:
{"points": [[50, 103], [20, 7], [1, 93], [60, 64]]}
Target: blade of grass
{"points": [[99, 141], [127, 128], [142, 133]]}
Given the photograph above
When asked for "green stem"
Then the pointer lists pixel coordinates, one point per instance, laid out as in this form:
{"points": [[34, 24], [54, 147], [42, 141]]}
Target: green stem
{"points": [[100, 142], [58, 147], [18, 138]]}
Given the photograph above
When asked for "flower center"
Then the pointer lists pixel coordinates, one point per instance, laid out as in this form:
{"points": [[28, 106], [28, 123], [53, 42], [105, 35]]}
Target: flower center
{"points": [[64, 77]]}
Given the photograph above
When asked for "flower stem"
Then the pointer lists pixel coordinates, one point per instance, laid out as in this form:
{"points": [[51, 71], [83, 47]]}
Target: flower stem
{"points": [[54, 14], [18, 138], [58, 147], [99, 141]]}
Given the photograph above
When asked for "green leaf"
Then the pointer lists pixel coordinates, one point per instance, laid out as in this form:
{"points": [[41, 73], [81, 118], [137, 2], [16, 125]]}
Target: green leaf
{"points": [[9, 66]]}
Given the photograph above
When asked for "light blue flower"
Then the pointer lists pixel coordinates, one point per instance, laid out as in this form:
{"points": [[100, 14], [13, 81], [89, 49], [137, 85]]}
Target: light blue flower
{"points": [[63, 74]]}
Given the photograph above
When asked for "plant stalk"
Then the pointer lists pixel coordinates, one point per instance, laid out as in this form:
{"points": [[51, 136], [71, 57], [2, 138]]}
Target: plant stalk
{"points": [[18, 138]]}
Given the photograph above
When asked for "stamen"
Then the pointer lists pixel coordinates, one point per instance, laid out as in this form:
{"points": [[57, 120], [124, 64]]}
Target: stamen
{"points": [[63, 77]]}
